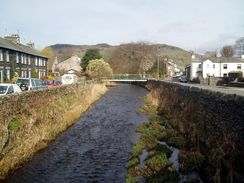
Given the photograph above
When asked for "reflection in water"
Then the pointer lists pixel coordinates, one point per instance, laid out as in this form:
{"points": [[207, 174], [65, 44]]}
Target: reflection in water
{"points": [[96, 148]]}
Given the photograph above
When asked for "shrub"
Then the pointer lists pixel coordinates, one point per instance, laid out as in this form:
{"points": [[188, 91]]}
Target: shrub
{"points": [[99, 68]]}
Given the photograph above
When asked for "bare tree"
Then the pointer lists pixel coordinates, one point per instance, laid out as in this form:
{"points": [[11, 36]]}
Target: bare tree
{"points": [[227, 51], [133, 58]]}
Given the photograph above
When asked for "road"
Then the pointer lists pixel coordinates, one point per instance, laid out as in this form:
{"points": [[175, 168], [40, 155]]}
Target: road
{"points": [[221, 89]]}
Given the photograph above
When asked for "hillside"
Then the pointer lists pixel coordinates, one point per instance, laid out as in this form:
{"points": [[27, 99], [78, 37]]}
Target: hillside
{"points": [[64, 51]]}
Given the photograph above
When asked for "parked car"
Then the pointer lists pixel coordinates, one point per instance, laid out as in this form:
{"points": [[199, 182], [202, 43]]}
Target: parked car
{"points": [[27, 84], [69, 79], [51, 83], [9, 88], [183, 79]]}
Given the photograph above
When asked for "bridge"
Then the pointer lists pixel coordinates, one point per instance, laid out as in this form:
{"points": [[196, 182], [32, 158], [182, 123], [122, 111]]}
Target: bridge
{"points": [[128, 78]]}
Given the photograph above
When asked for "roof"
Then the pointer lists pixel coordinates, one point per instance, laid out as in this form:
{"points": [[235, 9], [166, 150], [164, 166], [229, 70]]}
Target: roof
{"points": [[226, 59], [73, 63], [220, 59], [4, 43]]}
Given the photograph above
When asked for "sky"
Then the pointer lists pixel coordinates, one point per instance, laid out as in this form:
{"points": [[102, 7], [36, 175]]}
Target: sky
{"points": [[197, 25]]}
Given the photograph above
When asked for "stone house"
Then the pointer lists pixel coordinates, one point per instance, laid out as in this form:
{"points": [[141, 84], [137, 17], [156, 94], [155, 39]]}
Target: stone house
{"points": [[16, 57], [72, 63]]}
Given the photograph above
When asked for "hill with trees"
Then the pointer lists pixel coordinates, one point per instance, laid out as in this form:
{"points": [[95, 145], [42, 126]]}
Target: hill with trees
{"points": [[126, 58]]}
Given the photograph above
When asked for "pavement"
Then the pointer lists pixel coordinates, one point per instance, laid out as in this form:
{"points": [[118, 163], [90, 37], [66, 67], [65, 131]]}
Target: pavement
{"points": [[222, 89]]}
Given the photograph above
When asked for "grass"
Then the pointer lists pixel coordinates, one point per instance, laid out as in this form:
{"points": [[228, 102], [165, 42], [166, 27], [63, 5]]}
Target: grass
{"points": [[190, 160], [30, 137], [158, 167], [14, 124]]}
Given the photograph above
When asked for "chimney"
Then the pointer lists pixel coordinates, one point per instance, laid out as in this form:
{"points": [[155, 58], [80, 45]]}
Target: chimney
{"points": [[31, 44], [13, 37]]}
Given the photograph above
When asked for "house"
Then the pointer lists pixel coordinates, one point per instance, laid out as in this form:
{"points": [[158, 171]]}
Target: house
{"points": [[16, 57], [73, 63], [215, 66], [171, 68]]}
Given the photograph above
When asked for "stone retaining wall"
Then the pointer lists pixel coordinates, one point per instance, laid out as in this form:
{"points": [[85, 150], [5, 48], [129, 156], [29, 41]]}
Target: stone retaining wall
{"points": [[209, 121]]}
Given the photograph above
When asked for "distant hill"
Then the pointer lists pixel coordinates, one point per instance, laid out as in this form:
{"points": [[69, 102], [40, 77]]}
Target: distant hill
{"points": [[64, 51]]}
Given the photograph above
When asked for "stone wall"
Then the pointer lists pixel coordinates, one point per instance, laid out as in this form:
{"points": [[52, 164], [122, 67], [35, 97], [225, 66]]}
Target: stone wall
{"points": [[30, 120], [210, 122]]}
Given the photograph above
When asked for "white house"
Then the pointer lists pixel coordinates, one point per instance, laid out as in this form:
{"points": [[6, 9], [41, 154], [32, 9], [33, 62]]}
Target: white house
{"points": [[215, 66]]}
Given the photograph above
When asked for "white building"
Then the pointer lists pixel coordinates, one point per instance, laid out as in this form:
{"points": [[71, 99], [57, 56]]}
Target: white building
{"points": [[215, 66]]}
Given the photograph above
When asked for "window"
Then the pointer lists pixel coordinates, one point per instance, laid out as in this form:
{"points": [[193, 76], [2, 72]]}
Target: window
{"points": [[238, 66], [24, 74], [22, 58], [225, 66], [199, 66], [40, 62], [25, 59], [8, 74], [213, 66], [7, 56], [225, 75], [1, 55], [17, 58], [10, 90], [29, 60], [36, 61]]}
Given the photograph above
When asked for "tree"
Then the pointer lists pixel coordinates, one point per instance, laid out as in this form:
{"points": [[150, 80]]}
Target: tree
{"points": [[134, 58], [98, 68], [91, 54], [227, 51], [49, 53], [34, 74]]}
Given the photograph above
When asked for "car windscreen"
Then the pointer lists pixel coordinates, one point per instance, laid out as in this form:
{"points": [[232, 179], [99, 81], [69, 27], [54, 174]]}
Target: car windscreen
{"points": [[3, 89], [50, 82], [23, 81]]}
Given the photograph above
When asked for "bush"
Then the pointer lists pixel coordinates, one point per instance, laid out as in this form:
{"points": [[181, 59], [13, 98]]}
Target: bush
{"points": [[99, 69]]}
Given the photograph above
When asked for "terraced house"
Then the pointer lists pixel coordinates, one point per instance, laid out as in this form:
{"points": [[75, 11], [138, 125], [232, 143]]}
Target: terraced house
{"points": [[24, 59]]}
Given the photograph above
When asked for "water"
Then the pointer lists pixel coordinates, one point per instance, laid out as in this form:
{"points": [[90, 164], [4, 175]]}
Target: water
{"points": [[96, 148]]}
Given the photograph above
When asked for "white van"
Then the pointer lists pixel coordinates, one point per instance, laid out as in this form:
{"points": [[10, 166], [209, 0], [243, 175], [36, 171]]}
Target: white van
{"points": [[69, 79]]}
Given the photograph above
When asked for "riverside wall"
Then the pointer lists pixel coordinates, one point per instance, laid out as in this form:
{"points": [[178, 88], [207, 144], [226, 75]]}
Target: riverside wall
{"points": [[31, 120], [210, 122]]}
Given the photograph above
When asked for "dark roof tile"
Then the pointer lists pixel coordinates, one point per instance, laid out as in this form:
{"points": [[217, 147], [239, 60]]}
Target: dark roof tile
{"points": [[19, 47]]}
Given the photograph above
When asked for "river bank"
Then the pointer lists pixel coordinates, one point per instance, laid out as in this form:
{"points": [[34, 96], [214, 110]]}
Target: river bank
{"points": [[30, 121], [156, 156]]}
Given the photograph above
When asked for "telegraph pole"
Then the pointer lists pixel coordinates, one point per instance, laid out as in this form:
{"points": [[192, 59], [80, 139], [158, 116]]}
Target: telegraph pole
{"points": [[158, 66]]}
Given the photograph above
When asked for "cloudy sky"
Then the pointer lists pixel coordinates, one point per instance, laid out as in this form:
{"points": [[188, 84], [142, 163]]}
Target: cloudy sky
{"points": [[190, 24]]}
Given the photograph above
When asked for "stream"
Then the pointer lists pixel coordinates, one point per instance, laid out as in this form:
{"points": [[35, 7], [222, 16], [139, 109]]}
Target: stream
{"points": [[96, 148]]}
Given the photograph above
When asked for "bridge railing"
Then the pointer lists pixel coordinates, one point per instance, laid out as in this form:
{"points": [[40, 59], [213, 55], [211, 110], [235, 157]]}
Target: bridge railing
{"points": [[130, 76]]}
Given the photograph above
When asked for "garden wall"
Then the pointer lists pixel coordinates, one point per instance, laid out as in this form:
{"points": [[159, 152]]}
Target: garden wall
{"points": [[210, 122], [30, 120]]}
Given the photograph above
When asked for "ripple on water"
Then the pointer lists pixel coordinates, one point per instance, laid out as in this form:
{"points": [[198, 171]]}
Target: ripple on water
{"points": [[96, 148]]}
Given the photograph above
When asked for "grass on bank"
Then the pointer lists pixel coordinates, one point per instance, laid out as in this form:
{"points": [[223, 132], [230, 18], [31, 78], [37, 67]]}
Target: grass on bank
{"points": [[157, 166], [31, 133]]}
